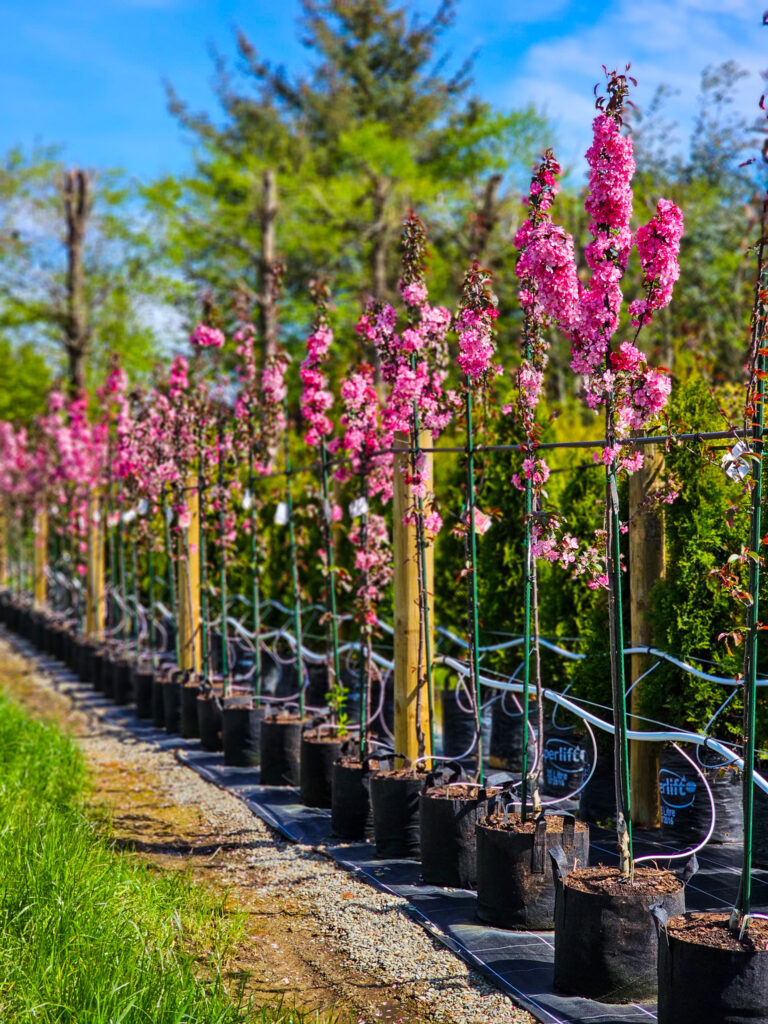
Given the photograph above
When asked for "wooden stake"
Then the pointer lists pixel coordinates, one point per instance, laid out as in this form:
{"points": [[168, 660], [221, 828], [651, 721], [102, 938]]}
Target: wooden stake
{"points": [[40, 529], [646, 566], [94, 589], [407, 669], [189, 585], [4, 561]]}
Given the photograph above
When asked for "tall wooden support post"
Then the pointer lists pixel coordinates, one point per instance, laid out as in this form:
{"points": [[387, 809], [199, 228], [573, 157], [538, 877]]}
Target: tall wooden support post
{"points": [[40, 530], [94, 590], [408, 671], [190, 634], [646, 566]]}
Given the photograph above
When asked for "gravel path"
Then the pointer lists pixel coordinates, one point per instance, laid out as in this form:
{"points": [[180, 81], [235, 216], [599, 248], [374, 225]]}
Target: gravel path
{"points": [[315, 934]]}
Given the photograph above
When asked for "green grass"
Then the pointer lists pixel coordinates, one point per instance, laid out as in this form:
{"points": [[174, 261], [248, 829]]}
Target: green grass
{"points": [[89, 935]]}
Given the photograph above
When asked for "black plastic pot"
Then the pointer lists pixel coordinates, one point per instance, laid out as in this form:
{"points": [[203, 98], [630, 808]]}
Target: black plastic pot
{"points": [[123, 675], [172, 705], [686, 812], [395, 805], [606, 945], [318, 753], [459, 727], [699, 984], [281, 751], [209, 721], [447, 836], [158, 703], [190, 722], [515, 884], [241, 731], [351, 816], [506, 737], [143, 677]]}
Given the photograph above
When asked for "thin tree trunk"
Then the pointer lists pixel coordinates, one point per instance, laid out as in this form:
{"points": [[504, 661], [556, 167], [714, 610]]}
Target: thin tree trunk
{"points": [[268, 271], [77, 191]]}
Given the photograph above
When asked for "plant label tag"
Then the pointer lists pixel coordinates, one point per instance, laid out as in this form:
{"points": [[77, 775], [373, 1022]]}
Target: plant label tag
{"points": [[129, 515], [736, 467], [358, 507], [247, 501], [143, 507], [327, 510], [281, 513]]}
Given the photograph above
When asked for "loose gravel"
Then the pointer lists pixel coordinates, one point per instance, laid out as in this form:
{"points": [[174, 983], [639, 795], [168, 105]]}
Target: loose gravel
{"points": [[355, 941]]}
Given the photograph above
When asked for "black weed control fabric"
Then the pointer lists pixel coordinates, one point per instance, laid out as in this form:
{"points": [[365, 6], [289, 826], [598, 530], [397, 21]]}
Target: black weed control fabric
{"points": [[518, 963]]}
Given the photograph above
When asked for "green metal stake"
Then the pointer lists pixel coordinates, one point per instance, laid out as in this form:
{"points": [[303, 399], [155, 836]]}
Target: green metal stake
{"points": [[365, 631], [423, 596], [753, 611], [171, 580], [618, 680], [474, 623], [331, 590], [204, 651], [526, 644], [223, 568], [294, 566], [151, 575], [135, 590], [255, 595], [121, 564]]}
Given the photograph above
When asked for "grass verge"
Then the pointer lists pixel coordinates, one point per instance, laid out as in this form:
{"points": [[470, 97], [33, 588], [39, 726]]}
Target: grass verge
{"points": [[89, 935]]}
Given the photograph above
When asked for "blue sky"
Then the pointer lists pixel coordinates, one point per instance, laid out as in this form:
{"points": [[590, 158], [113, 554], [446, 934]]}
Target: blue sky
{"points": [[88, 74]]}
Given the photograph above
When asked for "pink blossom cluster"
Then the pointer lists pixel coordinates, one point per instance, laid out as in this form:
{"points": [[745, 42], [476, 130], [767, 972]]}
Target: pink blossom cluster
{"points": [[362, 434], [316, 399], [658, 244], [373, 560], [476, 347], [206, 337]]}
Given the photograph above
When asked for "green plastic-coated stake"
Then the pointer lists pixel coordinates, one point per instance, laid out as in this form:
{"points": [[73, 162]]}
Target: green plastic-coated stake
{"points": [[331, 590], [526, 644], [121, 567], [171, 576], [365, 628], [151, 581], [255, 595], [618, 678], [223, 565], [753, 610], [135, 589], [204, 648], [423, 595], [474, 622], [294, 564]]}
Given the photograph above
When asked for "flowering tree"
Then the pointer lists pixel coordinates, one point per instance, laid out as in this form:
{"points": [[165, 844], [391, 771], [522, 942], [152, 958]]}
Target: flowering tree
{"points": [[618, 379]]}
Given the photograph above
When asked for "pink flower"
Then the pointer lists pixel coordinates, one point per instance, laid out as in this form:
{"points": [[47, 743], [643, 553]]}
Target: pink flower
{"points": [[206, 337]]}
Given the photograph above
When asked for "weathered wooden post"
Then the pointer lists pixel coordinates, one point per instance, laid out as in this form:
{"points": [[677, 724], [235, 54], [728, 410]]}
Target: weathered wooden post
{"points": [[190, 634], [39, 585], [4, 561], [408, 671], [646, 566], [94, 581]]}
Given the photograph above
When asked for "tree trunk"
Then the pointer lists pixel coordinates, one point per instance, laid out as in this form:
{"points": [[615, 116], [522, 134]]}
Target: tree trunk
{"points": [[77, 207], [485, 219], [268, 270]]}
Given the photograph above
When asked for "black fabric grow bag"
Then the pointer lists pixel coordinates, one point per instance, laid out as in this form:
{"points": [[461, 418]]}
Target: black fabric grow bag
{"points": [[699, 984], [459, 727], [395, 806], [685, 809], [241, 731], [281, 751], [97, 670], [209, 720], [172, 705], [506, 736], [351, 816], [142, 690], [123, 687], [564, 758], [515, 884], [108, 676], [318, 754], [447, 834], [760, 823], [606, 945], [190, 725], [597, 801]]}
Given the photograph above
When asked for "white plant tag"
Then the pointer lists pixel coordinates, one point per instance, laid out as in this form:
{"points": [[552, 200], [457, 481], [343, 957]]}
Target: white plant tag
{"points": [[129, 515], [143, 507], [358, 507], [281, 513], [247, 501], [327, 510], [734, 465]]}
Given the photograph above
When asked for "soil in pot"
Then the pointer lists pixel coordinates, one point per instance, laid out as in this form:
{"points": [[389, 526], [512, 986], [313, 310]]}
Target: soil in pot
{"points": [[351, 816], [123, 681], [605, 936], [172, 705], [707, 975], [506, 737], [318, 752], [448, 816], [209, 720], [515, 883], [142, 689], [686, 812], [459, 725], [241, 731], [281, 750], [190, 725], [395, 804]]}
